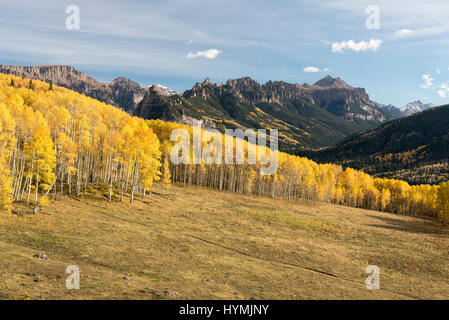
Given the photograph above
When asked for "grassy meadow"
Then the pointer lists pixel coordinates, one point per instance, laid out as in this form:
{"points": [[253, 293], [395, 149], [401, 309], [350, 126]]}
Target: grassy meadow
{"points": [[196, 243]]}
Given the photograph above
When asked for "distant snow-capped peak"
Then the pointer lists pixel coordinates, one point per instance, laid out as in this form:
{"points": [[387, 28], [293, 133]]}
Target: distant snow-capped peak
{"points": [[417, 106]]}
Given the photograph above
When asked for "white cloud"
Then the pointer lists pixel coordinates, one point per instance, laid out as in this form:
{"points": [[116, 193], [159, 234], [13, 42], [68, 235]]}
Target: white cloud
{"points": [[428, 81], [372, 44], [444, 90], [311, 69], [403, 33], [209, 54], [438, 70]]}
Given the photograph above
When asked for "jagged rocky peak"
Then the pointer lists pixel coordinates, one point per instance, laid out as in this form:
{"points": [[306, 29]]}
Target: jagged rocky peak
{"points": [[246, 89], [206, 81], [282, 85], [243, 83], [203, 89], [330, 82], [335, 88]]}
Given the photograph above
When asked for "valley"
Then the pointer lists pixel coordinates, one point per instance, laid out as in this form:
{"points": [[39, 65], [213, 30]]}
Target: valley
{"points": [[224, 159]]}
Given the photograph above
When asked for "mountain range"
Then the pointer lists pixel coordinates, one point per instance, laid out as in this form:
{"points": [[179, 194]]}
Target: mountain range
{"points": [[328, 121], [309, 116], [306, 115]]}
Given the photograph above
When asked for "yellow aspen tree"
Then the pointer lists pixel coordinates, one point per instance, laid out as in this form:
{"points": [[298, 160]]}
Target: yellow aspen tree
{"points": [[166, 176], [443, 201], [7, 144], [42, 155], [384, 199]]}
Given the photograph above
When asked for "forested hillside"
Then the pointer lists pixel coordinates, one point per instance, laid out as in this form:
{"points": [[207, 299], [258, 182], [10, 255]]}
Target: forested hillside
{"points": [[55, 140], [414, 148]]}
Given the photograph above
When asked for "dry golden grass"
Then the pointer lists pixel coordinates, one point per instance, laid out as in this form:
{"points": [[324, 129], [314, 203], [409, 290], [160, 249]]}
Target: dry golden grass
{"points": [[195, 243]]}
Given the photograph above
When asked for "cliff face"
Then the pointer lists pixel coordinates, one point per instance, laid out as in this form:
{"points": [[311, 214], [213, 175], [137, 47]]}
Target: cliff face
{"points": [[65, 75], [120, 92]]}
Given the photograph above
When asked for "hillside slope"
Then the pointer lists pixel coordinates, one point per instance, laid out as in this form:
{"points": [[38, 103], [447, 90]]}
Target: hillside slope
{"points": [[191, 244], [411, 144]]}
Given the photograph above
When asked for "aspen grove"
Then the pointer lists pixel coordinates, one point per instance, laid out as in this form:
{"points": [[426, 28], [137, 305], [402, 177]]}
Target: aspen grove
{"points": [[55, 140]]}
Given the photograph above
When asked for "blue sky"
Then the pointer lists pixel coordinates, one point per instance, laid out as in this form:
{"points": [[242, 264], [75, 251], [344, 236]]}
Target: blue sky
{"points": [[177, 43]]}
